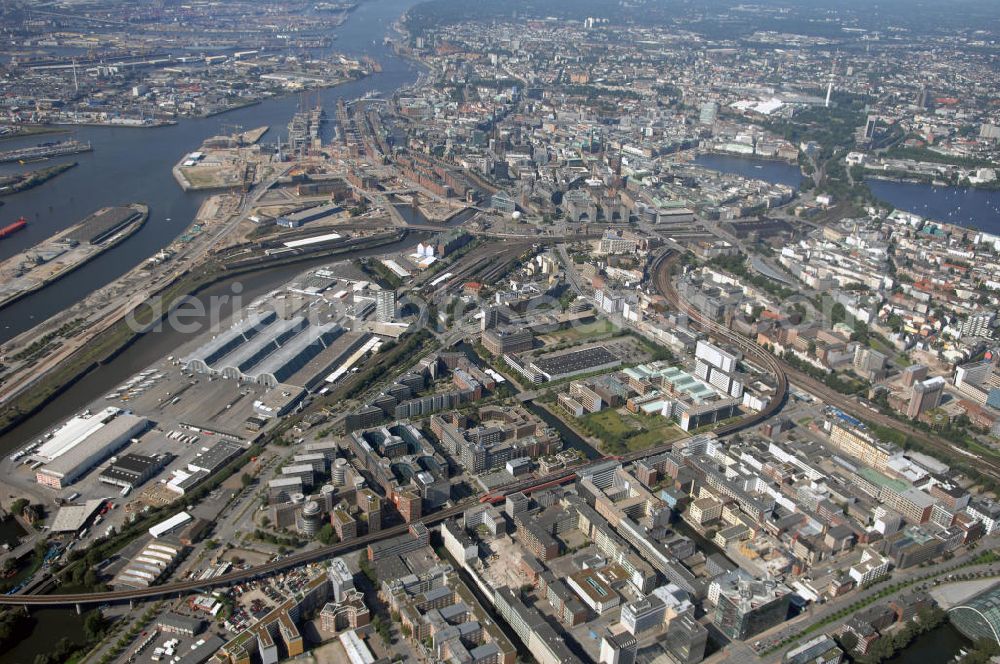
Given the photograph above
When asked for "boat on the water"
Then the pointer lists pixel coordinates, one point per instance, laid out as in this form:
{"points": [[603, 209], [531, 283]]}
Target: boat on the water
{"points": [[10, 229]]}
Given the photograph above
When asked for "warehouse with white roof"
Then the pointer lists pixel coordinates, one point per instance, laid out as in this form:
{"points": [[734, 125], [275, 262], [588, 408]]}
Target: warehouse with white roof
{"points": [[83, 443], [155, 559], [168, 525], [73, 432]]}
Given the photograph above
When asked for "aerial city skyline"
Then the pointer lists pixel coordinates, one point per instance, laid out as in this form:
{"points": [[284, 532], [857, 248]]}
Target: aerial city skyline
{"points": [[374, 331]]}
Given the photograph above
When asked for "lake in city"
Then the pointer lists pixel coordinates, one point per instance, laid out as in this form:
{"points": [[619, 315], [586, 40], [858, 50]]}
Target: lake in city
{"points": [[778, 172], [966, 206]]}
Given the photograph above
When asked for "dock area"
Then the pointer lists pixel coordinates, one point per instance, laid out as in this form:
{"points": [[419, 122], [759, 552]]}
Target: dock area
{"points": [[54, 258], [44, 151], [252, 136]]}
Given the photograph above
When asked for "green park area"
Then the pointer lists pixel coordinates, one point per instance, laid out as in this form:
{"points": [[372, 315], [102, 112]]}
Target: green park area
{"points": [[621, 431]]}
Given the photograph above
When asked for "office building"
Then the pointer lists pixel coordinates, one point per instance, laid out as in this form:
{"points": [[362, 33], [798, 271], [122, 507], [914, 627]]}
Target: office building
{"points": [[686, 639], [926, 396], [869, 363], [618, 647], [259, 642], [643, 614], [385, 306], [545, 645], [502, 340], [860, 444], [747, 606]]}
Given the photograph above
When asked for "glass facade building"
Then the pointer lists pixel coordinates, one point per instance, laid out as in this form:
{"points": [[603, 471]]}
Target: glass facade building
{"points": [[979, 617]]}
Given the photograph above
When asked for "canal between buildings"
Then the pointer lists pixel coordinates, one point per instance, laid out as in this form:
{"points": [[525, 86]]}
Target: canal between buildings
{"points": [[941, 644], [569, 437], [49, 624]]}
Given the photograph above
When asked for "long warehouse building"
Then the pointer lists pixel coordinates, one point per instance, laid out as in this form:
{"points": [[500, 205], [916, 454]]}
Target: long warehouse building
{"points": [[88, 450], [73, 432], [223, 344]]}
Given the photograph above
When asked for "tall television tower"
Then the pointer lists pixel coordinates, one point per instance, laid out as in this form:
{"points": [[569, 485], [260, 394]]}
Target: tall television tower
{"points": [[829, 88]]}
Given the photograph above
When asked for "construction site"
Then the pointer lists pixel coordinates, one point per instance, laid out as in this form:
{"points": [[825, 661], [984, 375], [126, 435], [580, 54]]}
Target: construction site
{"points": [[230, 161]]}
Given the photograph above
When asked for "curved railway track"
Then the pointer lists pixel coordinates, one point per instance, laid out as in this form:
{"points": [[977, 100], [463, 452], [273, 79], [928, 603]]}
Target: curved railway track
{"points": [[661, 277], [784, 372]]}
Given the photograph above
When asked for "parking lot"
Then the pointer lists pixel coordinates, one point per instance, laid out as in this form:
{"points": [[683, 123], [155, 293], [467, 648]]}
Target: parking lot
{"points": [[172, 397]]}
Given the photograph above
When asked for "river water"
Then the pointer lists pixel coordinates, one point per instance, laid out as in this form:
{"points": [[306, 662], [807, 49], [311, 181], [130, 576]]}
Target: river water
{"points": [[135, 165], [130, 164], [136, 175]]}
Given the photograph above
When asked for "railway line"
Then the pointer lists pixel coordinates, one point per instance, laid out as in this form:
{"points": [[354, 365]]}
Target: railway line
{"points": [[985, 465], [785, 372], [180, 588], [661, 277], [475, 265]]}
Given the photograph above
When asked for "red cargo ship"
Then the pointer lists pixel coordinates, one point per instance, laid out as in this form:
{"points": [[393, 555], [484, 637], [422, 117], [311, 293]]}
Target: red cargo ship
{"points": [[10, 229]]}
